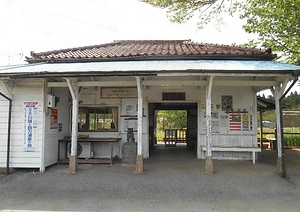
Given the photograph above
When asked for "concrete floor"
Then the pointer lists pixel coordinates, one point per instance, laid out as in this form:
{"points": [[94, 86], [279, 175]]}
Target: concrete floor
{"points": [[173, 181]]}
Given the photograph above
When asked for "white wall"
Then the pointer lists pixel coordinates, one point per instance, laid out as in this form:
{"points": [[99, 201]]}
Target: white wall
{"points": [[53, 135], [4, 104], [32, 90], [244, 99], [25, 90]]}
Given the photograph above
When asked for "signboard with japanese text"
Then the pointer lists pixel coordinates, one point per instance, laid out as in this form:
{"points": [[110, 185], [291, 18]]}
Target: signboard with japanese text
{"points": [[127, 92], [30, 126]]}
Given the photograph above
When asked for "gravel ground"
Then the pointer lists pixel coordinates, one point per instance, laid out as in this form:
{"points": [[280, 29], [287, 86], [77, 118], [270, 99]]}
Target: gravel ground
{"points": [[172, 181]]}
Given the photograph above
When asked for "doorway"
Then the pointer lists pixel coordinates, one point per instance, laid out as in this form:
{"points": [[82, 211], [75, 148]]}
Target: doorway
{"points": [[173, 128]]}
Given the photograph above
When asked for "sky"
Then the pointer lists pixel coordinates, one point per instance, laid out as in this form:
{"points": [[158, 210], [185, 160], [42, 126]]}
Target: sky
{"points": [[44, 25]]}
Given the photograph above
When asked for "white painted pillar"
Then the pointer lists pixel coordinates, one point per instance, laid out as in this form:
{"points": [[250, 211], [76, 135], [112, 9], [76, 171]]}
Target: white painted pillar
{"points": [[199, 129], [139, 160], [278, 124], [278, 93], [74, 90], [208, 158]]}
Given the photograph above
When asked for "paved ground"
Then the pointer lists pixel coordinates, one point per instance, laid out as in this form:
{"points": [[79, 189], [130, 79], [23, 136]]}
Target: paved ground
{"points": [[172, 181]]}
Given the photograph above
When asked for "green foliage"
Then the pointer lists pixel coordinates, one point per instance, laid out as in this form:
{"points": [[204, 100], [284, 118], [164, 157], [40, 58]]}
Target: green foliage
{"points": [[172, 119], [292, 140], [269, 116], [277, 24], [180, 11], [292, 102]]}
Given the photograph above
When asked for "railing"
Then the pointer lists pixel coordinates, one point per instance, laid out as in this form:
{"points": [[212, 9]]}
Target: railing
{"points": [[173, 136], [291, 139]]}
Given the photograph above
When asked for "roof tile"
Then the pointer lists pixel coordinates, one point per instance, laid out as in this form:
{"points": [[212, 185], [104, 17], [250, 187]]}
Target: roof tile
{"points": [[150, 49]]}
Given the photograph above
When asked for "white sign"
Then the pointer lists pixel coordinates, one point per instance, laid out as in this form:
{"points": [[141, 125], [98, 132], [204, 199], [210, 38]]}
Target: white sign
{"points": [[30, 126]]}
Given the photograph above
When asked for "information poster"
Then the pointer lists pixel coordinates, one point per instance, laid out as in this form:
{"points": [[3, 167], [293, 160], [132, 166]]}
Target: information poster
{"points": [[227, 103], [53, 119], [30, 126], [130, 122], [235, 122], [245, 118]]}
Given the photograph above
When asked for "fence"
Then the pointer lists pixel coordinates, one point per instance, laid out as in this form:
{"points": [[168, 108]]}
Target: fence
{"points": [[290, 139]]}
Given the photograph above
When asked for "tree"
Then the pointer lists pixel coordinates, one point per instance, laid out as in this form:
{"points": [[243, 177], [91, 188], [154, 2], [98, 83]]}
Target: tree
{"points": [[277, 24], [172, 119], [180, 11]]}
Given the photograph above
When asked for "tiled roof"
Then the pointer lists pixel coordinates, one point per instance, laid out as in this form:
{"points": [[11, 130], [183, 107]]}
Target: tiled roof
{"points": [[150, 50]]}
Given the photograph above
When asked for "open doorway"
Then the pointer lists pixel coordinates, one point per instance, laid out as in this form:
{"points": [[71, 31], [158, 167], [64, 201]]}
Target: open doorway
{"points": [[173, 127]]}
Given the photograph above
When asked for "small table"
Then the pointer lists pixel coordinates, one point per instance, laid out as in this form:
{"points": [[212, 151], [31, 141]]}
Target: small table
{"points": [[111, 141]]}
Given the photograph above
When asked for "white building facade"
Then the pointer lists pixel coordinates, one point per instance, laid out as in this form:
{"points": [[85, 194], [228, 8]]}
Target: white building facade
{"points": [[60, 95]]}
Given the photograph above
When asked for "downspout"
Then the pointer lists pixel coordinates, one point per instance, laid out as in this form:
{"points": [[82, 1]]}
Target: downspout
{"points": [[8, 129], [283, 175]]}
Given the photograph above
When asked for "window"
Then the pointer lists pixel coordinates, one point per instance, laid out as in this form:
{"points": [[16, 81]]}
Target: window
{"points": [[98, 119]]}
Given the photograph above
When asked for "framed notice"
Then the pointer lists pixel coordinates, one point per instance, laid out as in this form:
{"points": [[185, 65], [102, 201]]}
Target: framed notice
{"points": [[119, 92], [30, 126]]}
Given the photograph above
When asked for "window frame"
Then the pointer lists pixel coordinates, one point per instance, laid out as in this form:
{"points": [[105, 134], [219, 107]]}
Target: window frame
{"points": [[97, 116]]}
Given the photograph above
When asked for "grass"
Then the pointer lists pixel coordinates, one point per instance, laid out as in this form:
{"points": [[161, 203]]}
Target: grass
{"points": [[290, 140]]}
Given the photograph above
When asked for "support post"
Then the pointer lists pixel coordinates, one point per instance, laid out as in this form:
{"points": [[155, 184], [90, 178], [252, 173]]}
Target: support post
{"points": [[278, 96], [278, 127], [139, 159], [261, 130], [8, 130], [208, 159], [74, 90]]}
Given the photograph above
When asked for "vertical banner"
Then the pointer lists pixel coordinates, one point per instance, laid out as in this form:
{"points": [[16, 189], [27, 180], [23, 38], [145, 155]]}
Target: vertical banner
{"points": [[53, 119], [30, 126]]}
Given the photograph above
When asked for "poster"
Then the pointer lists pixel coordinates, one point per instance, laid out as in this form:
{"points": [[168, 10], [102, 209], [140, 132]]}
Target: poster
{"points": [[30, 126], [53, 118], [215, 126], [245, 120], [130, 122], [130, 109], [235, 122], [227, 104]]}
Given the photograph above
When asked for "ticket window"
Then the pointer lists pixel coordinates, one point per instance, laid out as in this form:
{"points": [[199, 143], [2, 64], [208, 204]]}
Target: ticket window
{"points": [[98, 119]]}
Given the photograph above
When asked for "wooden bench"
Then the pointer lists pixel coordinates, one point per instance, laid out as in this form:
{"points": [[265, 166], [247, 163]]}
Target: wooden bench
{"points": [[234, 149]]}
